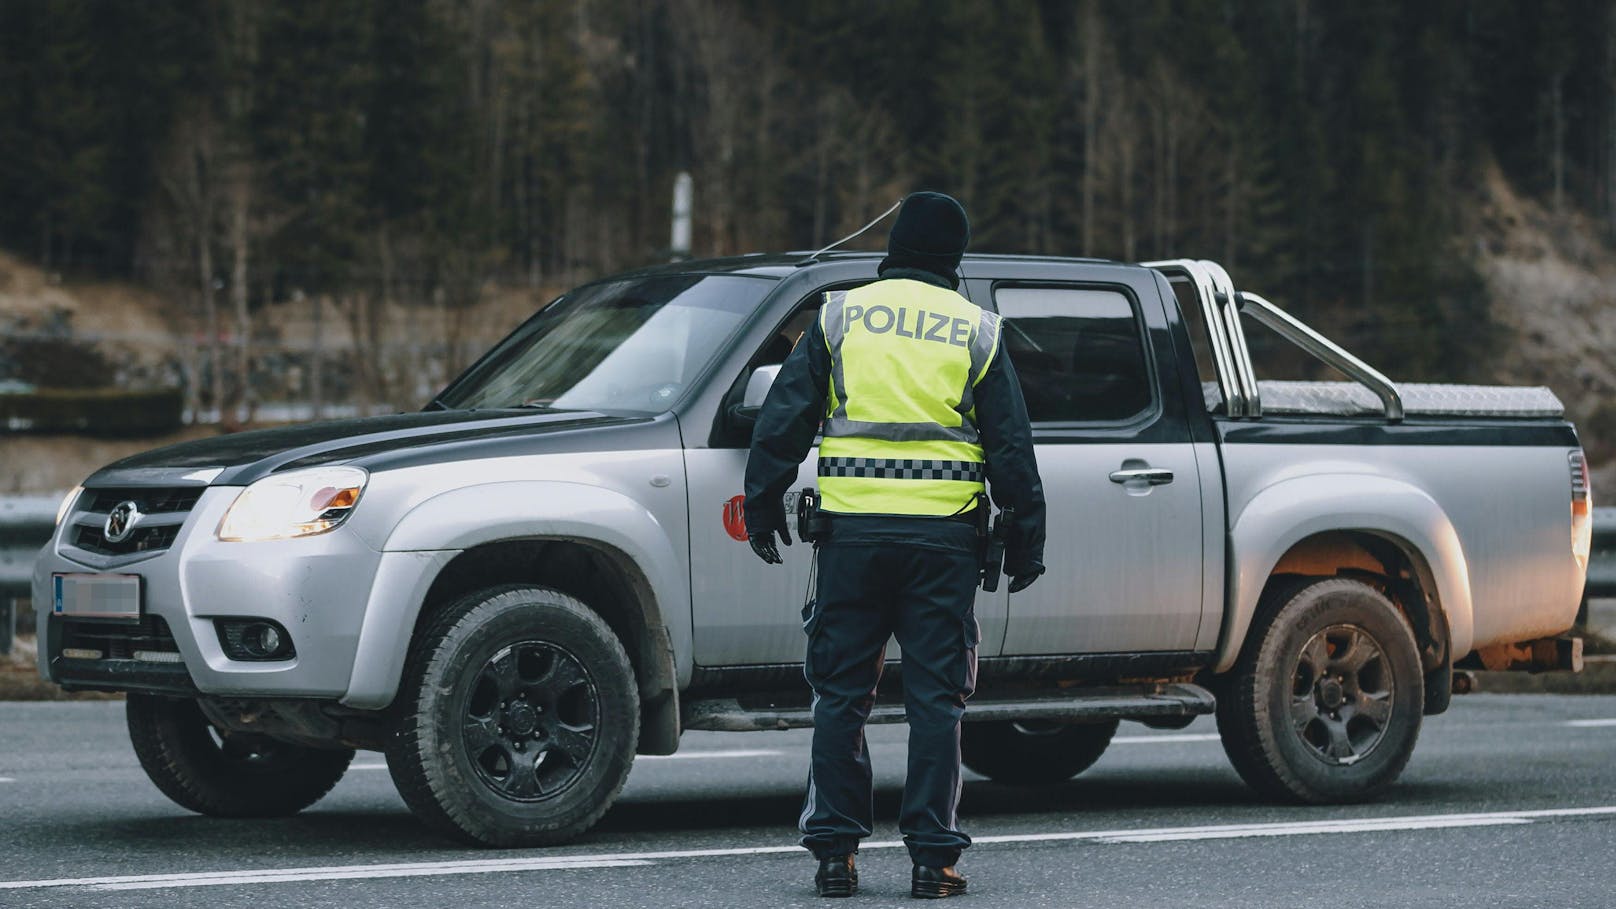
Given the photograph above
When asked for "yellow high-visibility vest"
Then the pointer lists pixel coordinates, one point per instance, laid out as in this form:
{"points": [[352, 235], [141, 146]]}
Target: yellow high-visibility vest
{"points": [[900, 433]]}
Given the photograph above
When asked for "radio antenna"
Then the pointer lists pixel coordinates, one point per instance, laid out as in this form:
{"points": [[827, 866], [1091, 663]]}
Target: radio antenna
{"points": [[855, 234]]}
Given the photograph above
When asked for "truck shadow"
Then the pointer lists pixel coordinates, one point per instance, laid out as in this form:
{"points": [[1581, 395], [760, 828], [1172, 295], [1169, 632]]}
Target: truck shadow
{"points": [[1213, 796], [317, 835]]}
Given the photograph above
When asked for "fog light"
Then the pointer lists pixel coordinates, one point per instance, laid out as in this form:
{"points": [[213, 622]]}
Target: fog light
{"points": [[254, 640], [261, 640]]}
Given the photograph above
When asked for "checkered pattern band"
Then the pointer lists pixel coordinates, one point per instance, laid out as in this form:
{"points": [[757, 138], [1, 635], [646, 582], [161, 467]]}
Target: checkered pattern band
{"points": [[897, 469]]}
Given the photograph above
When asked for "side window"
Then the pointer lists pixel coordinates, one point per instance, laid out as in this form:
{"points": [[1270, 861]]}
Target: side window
{"points": [[1079, 352], [781, 343]]}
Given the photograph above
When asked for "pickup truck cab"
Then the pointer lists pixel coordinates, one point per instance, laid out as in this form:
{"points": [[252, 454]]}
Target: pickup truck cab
{"points": [[515, 590]]}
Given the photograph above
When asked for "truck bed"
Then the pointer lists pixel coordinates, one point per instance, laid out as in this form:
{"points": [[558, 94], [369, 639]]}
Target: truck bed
{"points": [[1350, 399]]}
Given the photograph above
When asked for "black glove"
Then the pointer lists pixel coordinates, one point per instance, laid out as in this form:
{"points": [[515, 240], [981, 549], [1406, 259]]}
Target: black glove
{"points": [[762, 538], [1022, 573], [1021, 582]]}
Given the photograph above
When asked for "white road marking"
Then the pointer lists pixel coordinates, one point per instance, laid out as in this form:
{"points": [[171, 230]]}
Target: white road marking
{"points": [[1590, 724], [359, 873], [634, 859], [1299, 828], [1236, 831], [681, 755], [1153, 739]]}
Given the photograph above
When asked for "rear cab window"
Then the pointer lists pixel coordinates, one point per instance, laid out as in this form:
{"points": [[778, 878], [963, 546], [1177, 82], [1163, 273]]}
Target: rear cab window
{"points": [[1079, 353]]}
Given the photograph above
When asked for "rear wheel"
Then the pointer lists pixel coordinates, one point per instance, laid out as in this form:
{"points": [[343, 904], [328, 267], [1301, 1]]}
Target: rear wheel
{"points": [[1033, 752], [226, 774], [518, 719], [1325, 702]]}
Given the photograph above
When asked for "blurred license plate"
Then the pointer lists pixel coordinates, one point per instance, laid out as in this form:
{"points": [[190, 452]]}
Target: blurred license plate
{"points": [[98, 596]]}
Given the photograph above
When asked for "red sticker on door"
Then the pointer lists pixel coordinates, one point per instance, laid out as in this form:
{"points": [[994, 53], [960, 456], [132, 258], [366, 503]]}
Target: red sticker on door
{"points": [[735, 518]]}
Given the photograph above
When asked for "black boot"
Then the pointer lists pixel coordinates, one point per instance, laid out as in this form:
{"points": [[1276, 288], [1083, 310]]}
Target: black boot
{"points": [[836, 876], [935, 883]]}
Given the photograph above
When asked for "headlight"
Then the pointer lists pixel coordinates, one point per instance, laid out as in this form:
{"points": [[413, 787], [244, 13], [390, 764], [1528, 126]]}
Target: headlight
{"points": [[297, 504], [67, 505]]}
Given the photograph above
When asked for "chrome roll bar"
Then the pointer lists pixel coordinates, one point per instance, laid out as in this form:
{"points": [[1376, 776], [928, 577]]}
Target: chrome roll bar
{"points": [[1299, 333], [1222, 358], [1221, 308], [1238, 352]]}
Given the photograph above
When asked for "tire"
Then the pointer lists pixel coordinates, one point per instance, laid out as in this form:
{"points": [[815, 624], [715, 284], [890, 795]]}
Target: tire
{"points": [[234, 775], [1033, 753], [517, 719], [1325, 702]]}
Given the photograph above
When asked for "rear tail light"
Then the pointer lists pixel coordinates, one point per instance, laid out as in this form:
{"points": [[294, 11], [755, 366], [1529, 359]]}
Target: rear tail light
{"points": [[1582, 509]]}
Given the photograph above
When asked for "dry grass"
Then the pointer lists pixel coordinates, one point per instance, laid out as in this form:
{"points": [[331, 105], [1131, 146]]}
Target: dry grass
{"points": [[20, 681]]}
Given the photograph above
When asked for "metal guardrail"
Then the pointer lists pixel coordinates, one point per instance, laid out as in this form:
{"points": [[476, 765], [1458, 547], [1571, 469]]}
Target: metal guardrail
{"points": [[1602, 557], [26, 525]]}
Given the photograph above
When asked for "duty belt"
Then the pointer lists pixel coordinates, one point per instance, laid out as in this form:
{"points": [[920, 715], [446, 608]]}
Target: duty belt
{"points": [[899, 469]]}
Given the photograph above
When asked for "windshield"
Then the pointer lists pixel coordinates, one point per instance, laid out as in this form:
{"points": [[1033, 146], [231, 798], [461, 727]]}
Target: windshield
{"points": [[628, 345]]}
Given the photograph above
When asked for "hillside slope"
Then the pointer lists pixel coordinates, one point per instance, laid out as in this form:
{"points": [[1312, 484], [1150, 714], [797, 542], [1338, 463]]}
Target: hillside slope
{"points": [[1551, 283]]}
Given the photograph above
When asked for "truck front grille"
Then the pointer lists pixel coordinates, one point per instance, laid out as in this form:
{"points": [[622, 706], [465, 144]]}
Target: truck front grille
{"points": [[117, 640], [169, 504], [145, 539], [162, 500], [118, 656]]}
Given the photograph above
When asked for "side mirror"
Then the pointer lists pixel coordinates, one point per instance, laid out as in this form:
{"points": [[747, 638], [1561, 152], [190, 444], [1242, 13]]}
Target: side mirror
{"points": [[757, 387], [745, 414]]}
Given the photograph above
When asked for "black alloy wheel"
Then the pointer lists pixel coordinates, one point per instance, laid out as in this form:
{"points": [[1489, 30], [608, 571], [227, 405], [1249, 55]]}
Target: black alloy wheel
{"points": [[1341, 694], [531, 720], [1324, 704], [516, 720]]}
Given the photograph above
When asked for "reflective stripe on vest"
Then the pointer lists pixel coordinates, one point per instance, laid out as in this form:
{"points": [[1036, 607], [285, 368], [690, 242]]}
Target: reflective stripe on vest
{"points": [[900, 431], [894, 469]]}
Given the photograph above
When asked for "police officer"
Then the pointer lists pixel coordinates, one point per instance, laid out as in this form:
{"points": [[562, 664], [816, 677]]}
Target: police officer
{"points": [[920, 406]]}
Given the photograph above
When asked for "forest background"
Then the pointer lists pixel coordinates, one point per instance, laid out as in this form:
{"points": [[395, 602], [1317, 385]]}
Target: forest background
{"points": [[337, 203]]}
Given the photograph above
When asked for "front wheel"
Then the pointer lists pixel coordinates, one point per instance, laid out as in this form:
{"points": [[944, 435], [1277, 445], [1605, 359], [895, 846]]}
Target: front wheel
{"points": [[1032, 752], [518, 719], [1324, 705], [226, 774]]}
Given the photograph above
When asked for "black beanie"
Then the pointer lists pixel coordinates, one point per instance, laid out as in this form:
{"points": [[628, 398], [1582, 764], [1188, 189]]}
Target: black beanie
{"points": [[931, 234]]}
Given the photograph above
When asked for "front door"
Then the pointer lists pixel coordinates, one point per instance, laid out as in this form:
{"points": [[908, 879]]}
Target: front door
{"points": [[747, 612], [1120, 474]]}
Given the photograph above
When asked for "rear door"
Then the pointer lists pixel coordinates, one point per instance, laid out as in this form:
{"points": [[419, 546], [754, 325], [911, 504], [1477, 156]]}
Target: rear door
{"points": [[1119, 467]]}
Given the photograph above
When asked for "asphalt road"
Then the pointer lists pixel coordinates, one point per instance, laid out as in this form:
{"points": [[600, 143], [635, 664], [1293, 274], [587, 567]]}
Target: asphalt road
{"points": [[1510, 801]]}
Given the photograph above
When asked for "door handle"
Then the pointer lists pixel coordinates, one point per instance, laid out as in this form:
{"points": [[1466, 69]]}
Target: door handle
{"points": [[1155, 476]]}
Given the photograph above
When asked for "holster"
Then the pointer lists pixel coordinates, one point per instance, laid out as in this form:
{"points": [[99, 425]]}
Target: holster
{"points": [[992, 541], [812, 525]]}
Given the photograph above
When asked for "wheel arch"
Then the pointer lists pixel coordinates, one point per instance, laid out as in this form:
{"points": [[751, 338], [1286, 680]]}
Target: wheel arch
{"points": [[606, 580], [1346, 525], [592, 543]]}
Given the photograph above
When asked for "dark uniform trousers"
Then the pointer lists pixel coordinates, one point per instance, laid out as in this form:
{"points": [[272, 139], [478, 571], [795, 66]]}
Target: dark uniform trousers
{"points": [[867, 593]]}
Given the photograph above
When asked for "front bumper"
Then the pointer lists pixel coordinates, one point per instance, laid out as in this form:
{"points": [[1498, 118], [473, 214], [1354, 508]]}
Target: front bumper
{"points": [[316, 587]]}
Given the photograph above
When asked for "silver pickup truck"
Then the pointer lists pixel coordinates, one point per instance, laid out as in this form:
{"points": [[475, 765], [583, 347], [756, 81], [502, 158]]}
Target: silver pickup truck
{"points": [[544, 572]]}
